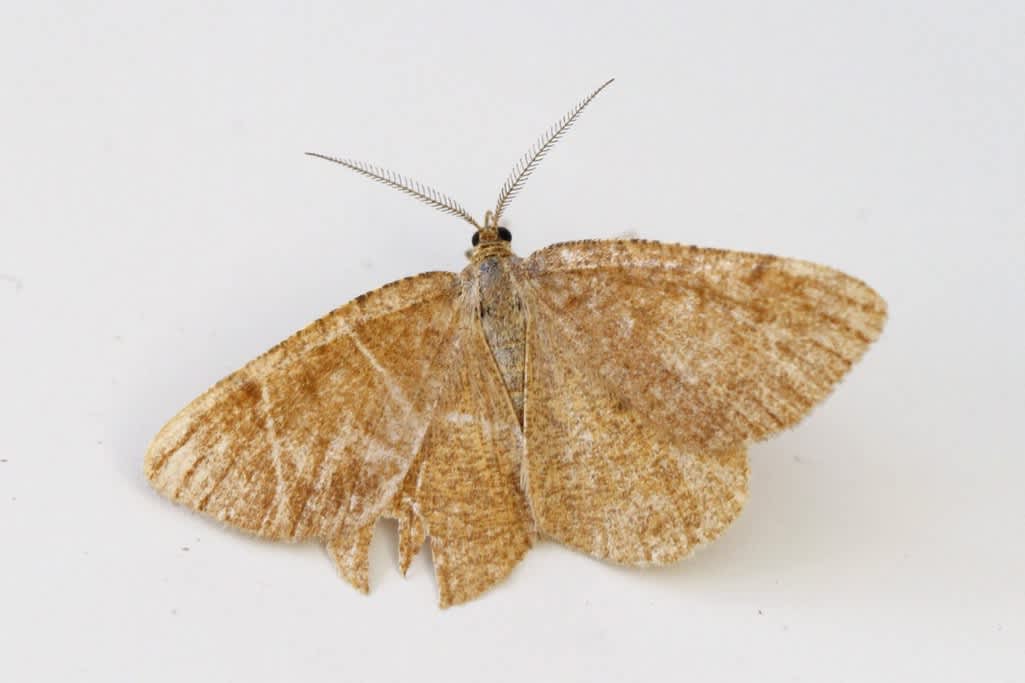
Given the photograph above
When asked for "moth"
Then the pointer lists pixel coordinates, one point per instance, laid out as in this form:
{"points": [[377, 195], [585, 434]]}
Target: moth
{"points": [[598, 393]]}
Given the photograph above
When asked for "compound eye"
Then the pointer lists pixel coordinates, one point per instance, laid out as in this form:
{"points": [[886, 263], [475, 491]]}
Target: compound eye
{"points": [[476, 239], [504, 235]]}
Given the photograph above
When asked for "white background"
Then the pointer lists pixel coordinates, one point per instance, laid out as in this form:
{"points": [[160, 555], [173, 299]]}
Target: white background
{"points": [[159, 226]]}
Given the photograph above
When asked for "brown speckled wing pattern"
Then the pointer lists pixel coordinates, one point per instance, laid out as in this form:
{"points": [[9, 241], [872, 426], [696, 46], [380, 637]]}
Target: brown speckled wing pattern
{"points": [[650, 367], [469, 491], [720, 348], [314, 438], [600, 393]]}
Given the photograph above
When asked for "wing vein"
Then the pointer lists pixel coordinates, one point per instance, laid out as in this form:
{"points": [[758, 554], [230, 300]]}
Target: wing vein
{"points": [[274, 511]]}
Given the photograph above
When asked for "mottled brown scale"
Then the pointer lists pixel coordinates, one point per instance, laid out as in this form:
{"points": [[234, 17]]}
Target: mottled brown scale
{"points": [[599, 393]]}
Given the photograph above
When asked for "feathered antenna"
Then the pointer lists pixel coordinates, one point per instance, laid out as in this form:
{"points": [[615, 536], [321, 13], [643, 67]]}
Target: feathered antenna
{"points": [[427, 195], [535, 154]]}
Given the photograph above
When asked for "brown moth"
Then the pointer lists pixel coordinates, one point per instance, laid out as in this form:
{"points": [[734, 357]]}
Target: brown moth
{"points": [[599, 393]]}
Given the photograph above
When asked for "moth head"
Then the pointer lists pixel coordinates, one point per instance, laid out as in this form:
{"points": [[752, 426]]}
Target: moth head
{"points": [[491, 233]]}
